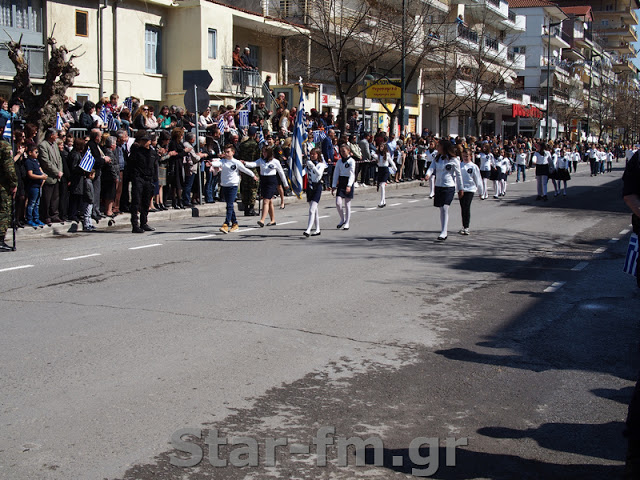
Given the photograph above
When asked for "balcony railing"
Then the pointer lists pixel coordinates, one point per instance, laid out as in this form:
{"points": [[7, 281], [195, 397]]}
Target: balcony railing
{"points": [[512, 16], [495, 3], [567, 38], [467, 34], [492, 43], [511, 56], [240, 81], [535, 98], [514, 94]]}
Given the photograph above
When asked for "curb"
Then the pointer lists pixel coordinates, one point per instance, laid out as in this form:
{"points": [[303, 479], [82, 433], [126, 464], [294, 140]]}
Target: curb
{"points": [[123, 221]]}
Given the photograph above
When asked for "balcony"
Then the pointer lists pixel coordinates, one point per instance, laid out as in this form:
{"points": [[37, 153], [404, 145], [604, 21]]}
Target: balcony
{"points": [[627, 14], [513, 94], [624, 66], [623, 33], [22, 19], [237, 81], [493, 12], [35, 57], [555, 39]]}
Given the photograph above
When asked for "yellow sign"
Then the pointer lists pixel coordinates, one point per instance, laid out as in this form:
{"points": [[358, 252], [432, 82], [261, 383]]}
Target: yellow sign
{"points": [[383, 88]]}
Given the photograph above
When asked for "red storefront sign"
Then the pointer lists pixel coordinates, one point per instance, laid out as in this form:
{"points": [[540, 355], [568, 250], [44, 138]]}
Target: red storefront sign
{"points": [[522, 111]]}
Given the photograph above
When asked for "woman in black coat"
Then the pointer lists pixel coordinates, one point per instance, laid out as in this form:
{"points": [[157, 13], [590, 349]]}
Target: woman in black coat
{"points": [[175, 168]]}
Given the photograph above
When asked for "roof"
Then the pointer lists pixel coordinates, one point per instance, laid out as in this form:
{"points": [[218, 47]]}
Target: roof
{"points": [[582, 11], [530, 3]]}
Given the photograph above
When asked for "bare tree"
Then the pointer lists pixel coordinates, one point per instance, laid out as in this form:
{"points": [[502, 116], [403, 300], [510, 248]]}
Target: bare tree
{"points": [[41, 109], [350, 38]]}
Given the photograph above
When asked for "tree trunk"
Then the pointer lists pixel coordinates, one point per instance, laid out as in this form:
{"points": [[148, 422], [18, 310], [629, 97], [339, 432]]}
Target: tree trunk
{"points": [[41, 110]]}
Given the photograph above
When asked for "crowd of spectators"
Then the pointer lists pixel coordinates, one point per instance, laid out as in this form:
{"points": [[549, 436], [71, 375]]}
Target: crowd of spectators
{"points": [[182, 161]]}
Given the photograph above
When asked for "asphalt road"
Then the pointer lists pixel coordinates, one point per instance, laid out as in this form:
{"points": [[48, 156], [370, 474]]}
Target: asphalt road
{"points": [[520, 340]]}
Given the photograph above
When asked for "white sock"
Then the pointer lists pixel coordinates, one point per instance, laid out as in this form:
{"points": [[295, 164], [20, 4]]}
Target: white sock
{"points": [[484, 183], [383, 187], [503, 184], [444, 220], [432, 184], [347, 201], [317, 220], [496, 187], [313, 210], [339, 207]]}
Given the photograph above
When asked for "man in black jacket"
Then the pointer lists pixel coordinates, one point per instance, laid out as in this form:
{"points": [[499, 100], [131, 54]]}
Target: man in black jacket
{"points": [[141, 168]]}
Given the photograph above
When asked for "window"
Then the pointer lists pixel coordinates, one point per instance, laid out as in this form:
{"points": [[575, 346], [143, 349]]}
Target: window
{"points": [[605, 23], [82, 23], [152, 49], [213, 43], [254, 55], [522, 50]]}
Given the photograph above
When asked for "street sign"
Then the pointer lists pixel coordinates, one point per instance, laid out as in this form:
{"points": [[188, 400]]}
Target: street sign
{"points": [[190, 100], [384, 88], [202, 78]]}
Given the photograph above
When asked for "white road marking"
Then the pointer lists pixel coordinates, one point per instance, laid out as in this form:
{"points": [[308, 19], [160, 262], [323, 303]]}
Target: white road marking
{"points": [[600, 250], [287, 223], [82, 256], [579, 267], [395, 204], [145, 246], [554, 287], [624, 232], [246, 229], [413, 201], [614, 240], [325, 216], [372, 208], [202, 237], [15, 268]]}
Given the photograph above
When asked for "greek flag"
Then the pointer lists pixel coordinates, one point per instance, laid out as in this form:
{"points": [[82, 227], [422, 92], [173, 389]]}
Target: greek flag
{"points": [[261, 140], [87, 161], [128, 102], [295, 162], [6, 135], [243, 116], [319, 136], [248, 105], [112, 126], [103, 114], [221, 124], [631, 262], [59, 124]]}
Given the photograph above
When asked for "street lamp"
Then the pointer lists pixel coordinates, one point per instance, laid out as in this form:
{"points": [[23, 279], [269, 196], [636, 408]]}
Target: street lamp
{"points": [[367, 78], [593, 54], [404, 67], [547, 130]]}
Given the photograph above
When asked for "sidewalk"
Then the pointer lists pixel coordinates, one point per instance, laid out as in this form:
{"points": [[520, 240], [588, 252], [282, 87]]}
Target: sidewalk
{"points": [[124, 220]]}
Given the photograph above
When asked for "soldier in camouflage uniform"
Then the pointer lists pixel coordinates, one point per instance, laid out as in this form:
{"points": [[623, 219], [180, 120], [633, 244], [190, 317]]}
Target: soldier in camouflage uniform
{"points": [[8, 187], [249, 151]]}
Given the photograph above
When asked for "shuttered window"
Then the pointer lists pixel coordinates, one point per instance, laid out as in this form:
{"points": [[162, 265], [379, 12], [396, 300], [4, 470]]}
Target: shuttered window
{"points": [[213, 43], [152, 49]]}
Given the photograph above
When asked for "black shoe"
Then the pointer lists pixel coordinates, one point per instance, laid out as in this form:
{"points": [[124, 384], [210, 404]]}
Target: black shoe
{"points": [[5, 248], [252, 212], [125, 210], [315, 234], [306, 234], [545, 198], [539, 197], [137, 229], [340, 225], [441, 239], [147, 228], [153, 210]]}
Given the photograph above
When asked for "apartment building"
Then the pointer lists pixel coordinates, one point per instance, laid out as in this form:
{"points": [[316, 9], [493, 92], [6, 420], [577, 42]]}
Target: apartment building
{"points": [[141, 48]]}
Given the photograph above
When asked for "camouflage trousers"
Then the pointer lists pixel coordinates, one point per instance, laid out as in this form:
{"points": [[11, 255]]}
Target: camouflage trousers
{"points": [[5, 212], [249, 190]]}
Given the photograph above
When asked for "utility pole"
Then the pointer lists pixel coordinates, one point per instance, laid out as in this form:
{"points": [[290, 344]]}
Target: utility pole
{"points": [[403, 72]]}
